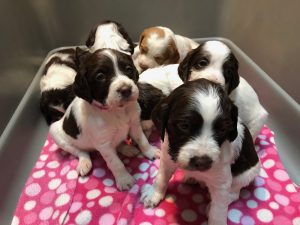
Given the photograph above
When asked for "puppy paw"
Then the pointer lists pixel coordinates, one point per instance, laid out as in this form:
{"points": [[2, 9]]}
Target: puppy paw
{"points": [[152, 152], [84, 166], [128, 150], [125, 181], [150, 197]]}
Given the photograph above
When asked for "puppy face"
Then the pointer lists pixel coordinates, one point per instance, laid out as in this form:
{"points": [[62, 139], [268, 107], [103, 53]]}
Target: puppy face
{"points": [[107, 77], [110, 34], [157, 47], [198, 117], [214, 61]]}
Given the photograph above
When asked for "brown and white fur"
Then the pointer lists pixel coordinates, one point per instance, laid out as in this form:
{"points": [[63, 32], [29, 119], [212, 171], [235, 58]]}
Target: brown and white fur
{"points": [[160, 46], [212, 60], [202, 135], [104, 112]]}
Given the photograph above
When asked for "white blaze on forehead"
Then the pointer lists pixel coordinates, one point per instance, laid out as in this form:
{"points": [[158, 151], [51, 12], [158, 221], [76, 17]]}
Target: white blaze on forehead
{"points": [[156, 45], [216, 49], [114, 60]]}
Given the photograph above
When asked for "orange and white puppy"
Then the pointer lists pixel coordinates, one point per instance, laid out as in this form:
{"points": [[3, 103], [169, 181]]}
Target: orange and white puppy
{"points": [[160, 46]]}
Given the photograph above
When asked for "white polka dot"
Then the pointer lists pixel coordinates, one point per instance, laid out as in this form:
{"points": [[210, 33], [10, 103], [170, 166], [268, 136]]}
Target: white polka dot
{"points": [[53, 184], [149, 211], [234, 215], [272, 140], [62, 218], [110, 190], [281, 175], [46, 213], [153, 171], [53, 164], [39, 164], [170, 198], [274, 205], [251, 204], [145, 223], [83, 217], [269, 163], [134, 189], [144, 166], [99, 172], [29, 205], [296, 221], [281, 199], [261, 136], [264, 215], [262, 194], [38, 174], [160, 212], [43, 157], [122, 221], [108, 182], [51, 174], [83, 180], [46, 143], [62, 199], [64, 170], [106, 201], [189, 215], [33, 189], [53, 148], [264, 142], [93, 194], [263, 173], [55, 214], [107, 219], [72, 175], [15, 221], [290, 188], [129, 207], [197, 198]]}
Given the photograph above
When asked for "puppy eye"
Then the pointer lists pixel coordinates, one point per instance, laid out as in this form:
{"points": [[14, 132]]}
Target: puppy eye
{"points": [[100, 76], [201, 63], [129, 69], [158, 58], [184, 126]]}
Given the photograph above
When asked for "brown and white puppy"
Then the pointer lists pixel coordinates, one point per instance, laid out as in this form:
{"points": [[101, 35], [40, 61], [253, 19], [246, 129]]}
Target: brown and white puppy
{"points": [[160, 46], [202, 135], [104, 112], [56, 84], [214, 60], [110, 34]]}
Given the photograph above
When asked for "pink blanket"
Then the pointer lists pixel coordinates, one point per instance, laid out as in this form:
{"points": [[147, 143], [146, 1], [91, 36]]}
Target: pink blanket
{"points": [[53, 194]]}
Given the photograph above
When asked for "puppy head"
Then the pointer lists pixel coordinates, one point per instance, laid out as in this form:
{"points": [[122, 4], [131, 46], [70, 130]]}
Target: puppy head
{"points": [[212, 60], [110, 34], [106, 76], [198, 117], [157, 47]]}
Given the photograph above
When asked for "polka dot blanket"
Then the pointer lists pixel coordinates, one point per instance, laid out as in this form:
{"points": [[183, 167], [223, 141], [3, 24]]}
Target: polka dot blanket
{"points": [[54, 194]]}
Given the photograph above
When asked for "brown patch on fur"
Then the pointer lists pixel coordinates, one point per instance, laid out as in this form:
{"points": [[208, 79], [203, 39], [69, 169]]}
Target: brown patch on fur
{"points": [[170, 54], [146, 34]]}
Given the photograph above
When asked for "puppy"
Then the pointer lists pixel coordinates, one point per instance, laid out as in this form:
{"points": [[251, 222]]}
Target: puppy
{"points": [[110, 34], [160, 46], [56, 84], [201, 134], [103, 113], [213, 60]]}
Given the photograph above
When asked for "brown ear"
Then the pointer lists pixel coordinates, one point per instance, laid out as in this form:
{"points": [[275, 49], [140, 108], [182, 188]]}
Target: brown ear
{"points": [[173, 56], [91, 38], [184, 67], [160, 116]]}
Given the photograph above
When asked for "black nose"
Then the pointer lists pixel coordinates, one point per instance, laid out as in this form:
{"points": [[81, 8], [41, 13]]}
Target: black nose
{"points": [[200, 163], [125, 91]]}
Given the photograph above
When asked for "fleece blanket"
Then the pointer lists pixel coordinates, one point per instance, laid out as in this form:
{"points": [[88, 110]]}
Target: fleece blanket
{"points": [[54, 194]]}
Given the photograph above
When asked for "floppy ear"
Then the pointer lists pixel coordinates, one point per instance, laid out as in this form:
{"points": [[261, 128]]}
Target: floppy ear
{"points": [[184, 67], [234, 118], [173, 53], [80, 86], [91, 38], [160, 116], [234, 77]]}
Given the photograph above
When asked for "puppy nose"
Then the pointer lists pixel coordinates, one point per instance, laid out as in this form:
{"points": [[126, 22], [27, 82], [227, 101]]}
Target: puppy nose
{"points": [[201, 163], [143, 66], [125, 91]]}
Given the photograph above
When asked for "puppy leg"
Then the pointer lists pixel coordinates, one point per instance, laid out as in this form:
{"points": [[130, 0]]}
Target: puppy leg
{"points": [[123, 179], [147, 126], [152, 195], [257, 123], [127, 150], [84, 164], [139, 137], [220, 197]]}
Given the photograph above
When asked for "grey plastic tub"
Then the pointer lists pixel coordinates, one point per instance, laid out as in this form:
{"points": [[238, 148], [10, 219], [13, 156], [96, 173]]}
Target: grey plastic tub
{"points": [[26, 132]]}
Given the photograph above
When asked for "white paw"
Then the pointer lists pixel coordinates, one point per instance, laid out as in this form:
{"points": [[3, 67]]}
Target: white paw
{"points": [[84, 166], [150, 197], [128, 150], [125, 181], [151, 153]]}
